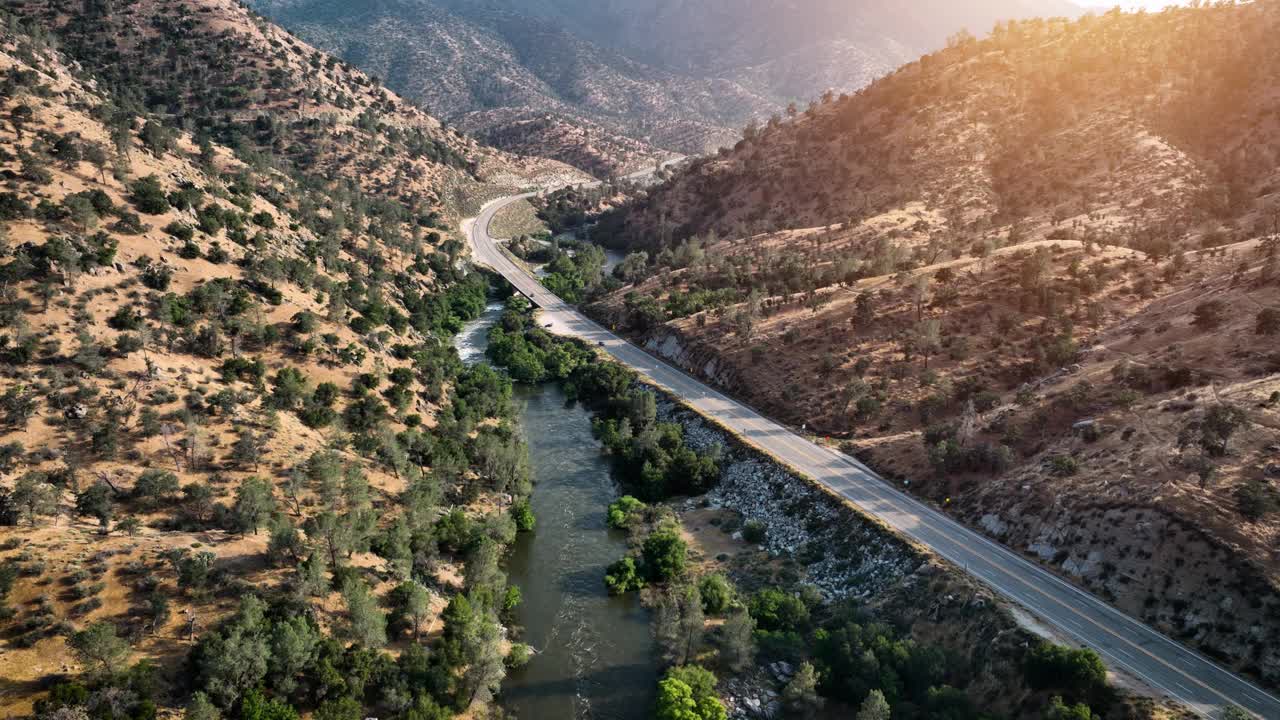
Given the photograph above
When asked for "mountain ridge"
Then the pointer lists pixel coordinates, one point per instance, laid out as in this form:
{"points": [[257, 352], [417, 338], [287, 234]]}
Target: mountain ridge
{"points": [[596, 65]]}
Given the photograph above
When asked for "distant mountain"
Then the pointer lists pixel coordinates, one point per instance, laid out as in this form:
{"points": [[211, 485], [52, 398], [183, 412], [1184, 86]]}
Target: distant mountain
{"points": [[611, 84]]}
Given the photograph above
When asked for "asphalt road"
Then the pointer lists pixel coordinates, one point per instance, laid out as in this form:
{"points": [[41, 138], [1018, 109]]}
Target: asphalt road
{"points": [[1125, 644]]}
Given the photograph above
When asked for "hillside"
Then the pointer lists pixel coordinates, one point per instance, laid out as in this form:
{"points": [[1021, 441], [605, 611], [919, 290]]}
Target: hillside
{"points": [[1035, 277], [238, 453], [1122, 125], [642, 78]]}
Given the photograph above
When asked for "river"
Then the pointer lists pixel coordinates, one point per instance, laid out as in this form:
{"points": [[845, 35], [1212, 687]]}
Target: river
{"points": [[594, 654]]}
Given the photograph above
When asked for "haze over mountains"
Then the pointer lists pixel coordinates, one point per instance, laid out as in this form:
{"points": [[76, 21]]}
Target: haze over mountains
{"points": [[607, 86]]}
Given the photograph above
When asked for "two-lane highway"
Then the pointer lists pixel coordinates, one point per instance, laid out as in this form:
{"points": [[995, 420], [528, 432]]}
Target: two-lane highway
{"points": [[1126, 644]]}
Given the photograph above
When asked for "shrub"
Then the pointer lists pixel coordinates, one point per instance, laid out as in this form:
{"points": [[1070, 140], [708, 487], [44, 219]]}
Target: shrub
{"points": [[716, 593], [1063, 465], [1209, 314], [623, 576], [777, 611], [1268, 322], [522, 513], [217, 254], [129, 224], [519, 655], [689, 693], [181, 231], [157, 276], [13, 207], [125, 318], [127, 343], [1078, 672], [754, 532], [148, 197], [1256, 499], [624, 511], [665, 554]]}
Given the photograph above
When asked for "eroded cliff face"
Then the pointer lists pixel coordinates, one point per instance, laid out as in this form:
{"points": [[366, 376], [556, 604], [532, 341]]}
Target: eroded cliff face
{"points": [[1156, 567], [702, 361]]}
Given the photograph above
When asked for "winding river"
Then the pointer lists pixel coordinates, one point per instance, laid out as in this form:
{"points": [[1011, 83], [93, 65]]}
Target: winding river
{"points": [[594, 655]]}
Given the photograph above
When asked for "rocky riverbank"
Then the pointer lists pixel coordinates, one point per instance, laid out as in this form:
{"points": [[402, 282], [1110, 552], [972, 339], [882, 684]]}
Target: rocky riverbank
{"points": [[848, 557], [843, 553]]}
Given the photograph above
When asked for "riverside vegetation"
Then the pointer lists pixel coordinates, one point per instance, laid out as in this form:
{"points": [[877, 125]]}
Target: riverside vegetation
{"points": [[708, 629]]}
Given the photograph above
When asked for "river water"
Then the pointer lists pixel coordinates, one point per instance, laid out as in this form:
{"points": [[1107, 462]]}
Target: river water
{"points": [[473, 341], [594, 655]]}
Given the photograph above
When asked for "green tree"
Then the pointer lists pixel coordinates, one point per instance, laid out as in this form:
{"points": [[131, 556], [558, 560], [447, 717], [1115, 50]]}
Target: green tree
{"points": [[716, 593], [247, 450], [483, 663], [367, 625], [256, 706], [1256, 499], [254, 504], [775, 610], [1219, 424], [522, 513], [34, 497], [417, 604], [148, 196], [129, 525], [737, 640], [288, 389], [623, 576], [312, 577], [100, 649], [678, 624], [665, 554], [483, 568], [95, 154], [158, 610], [688, 693], [236, 659], [875, 707], [155, 488], [801, 693], [1079, 672], [295, 643], [96, 502], [156, 138], [284, 543], [344, 708], [201, 708]]}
